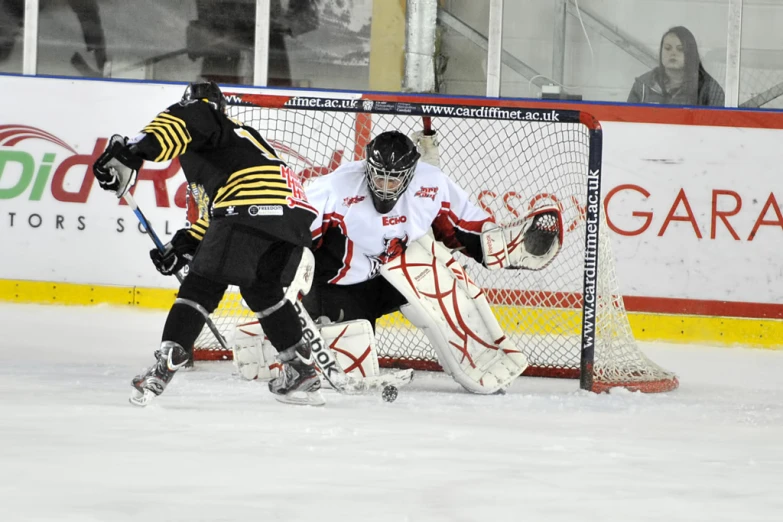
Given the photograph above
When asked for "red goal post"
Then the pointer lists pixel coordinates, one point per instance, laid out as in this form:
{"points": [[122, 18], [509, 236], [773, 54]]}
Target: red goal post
{"points": [[569, 318]]}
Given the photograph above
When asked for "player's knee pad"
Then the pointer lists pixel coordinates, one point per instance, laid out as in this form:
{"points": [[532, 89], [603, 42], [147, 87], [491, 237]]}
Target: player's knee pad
{"points": [[302, 265], [201, 290]]}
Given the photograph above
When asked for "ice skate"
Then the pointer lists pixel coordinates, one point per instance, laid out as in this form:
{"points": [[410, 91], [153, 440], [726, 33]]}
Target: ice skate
{"points": [[170, 358], [298, 382]]}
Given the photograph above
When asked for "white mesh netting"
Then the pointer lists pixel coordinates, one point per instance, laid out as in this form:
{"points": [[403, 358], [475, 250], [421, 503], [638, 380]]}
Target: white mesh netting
{"points": [[506, 166]]}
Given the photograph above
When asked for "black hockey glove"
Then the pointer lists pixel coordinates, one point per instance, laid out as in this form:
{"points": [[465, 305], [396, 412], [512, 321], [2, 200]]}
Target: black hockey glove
{"points": [[176, 254], [117, 167]]}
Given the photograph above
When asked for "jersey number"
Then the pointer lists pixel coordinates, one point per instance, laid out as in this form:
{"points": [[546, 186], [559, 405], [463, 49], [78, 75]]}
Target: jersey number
{"points": [[261, 145]]}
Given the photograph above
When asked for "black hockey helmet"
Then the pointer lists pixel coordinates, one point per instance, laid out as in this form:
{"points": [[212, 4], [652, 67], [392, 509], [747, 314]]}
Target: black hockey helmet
{"points": [[206, 90], [391, 161]]}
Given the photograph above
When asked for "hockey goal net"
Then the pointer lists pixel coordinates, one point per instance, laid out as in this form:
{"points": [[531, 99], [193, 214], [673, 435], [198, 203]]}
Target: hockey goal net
{"points": [[569, 319]]}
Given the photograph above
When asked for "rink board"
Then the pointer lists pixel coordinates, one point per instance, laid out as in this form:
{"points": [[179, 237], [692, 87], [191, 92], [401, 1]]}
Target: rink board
{"points": [[722, 331]]}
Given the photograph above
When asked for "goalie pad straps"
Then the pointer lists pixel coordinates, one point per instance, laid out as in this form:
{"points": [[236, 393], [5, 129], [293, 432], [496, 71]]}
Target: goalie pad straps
{"points": [[529, 243], [455, 316]]}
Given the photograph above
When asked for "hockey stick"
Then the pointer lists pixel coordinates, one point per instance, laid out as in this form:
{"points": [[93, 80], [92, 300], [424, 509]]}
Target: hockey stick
{"points": [[128, 197]]}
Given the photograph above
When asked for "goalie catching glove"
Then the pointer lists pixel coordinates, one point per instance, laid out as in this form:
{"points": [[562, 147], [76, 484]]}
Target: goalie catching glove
{"points": [[529, 243], [175, 254], [116, 169]]}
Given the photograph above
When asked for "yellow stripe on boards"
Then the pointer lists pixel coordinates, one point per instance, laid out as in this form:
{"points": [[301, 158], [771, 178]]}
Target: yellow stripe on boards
{"points": [[715, 331], [732, 331], [63, 293]]}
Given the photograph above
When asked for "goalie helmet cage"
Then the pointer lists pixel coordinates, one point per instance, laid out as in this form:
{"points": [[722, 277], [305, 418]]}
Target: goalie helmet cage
{"points": [[569, 319]]}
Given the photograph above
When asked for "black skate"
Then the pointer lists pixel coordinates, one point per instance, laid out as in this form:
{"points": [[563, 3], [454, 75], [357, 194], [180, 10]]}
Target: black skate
{"points": [[298, 382], [171, 357]]}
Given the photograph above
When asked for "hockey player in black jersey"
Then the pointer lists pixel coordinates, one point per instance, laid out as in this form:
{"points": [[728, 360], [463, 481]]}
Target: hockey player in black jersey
{"points": [[253, 236]]}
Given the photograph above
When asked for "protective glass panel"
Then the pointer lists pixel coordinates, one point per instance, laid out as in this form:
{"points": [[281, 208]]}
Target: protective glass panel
{"points": [[761, 58], [143, 39], [607, 50], [461, 48], [11, 27], [327, 42], [312, 43]]}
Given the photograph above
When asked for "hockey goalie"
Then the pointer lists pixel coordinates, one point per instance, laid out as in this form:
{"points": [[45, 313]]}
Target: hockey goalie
{"points": [[383, 242]]}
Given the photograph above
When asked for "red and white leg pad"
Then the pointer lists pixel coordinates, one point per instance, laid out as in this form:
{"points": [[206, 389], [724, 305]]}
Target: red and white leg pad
{"points": [[455, 316], [254, 356], [351, 342]]}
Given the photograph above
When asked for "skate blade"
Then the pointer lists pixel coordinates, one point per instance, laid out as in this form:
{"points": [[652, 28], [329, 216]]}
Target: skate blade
{"points": [[141, 399], [301, 398]]}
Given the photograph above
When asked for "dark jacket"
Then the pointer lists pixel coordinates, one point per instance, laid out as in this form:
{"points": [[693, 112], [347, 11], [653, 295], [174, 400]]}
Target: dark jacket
{"points": [[648, 89]]}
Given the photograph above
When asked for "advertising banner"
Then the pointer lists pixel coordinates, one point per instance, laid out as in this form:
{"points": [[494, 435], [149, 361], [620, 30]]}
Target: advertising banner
{"points": [[694, 212]]}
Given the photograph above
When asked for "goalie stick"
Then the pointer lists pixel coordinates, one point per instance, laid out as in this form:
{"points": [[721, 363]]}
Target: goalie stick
{"points": [[128, 197]]}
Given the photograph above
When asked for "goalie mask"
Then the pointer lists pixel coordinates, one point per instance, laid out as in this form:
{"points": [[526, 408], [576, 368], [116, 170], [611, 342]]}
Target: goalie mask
{"points": [[206, 90], [391, 162]]}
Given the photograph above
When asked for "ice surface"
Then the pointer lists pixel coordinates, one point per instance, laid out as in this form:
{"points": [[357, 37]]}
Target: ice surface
{"points": [[214, 448]]}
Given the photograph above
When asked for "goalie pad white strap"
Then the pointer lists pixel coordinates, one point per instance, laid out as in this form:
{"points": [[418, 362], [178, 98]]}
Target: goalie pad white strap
{"points": [[455, 316], [529, 243]]}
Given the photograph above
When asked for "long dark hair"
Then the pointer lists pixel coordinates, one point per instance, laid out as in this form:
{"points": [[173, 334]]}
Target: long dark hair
{"points": [[694, 71]]}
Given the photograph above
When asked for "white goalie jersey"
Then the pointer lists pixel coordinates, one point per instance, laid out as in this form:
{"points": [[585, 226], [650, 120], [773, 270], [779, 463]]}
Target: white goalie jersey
{"points": [[353, 241]]}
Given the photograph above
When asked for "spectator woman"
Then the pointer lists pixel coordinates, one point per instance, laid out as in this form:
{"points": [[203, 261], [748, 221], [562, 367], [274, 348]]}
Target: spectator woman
{"points": [[680, 78]]}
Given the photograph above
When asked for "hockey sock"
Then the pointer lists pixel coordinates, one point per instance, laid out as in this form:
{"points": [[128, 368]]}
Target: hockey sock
{"points": [[282, 327], [184, 323]]}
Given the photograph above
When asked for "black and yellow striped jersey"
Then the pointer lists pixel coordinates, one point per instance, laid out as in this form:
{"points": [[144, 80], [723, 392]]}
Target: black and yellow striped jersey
{"points": [[236, 168]]}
